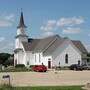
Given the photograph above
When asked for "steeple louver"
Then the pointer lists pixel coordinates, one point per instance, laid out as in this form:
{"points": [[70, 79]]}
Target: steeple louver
{"points": [[21, 23]]}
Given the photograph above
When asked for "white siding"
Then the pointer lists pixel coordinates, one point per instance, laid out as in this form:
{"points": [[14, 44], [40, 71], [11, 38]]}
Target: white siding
{"points": [[29, 57], [18, 42], [66, 48], [38, 59], [19, 57], [46, 59], [21, 31]]}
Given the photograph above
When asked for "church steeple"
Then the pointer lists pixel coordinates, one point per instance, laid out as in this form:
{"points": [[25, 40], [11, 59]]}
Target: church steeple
{"points": [[21, 33], [21, 23]]}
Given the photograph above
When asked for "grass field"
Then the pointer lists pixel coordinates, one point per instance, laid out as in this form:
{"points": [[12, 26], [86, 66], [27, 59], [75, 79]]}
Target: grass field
{"points": [[17, 70], [43, 88]]}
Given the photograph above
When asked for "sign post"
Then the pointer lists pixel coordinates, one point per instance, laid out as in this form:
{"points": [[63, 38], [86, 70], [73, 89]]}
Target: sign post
{"points": [[7, 76]]}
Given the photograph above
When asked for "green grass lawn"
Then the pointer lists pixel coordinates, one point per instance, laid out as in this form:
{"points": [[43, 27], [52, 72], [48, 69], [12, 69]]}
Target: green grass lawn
{"points": [[17, 70], [45, 88]]}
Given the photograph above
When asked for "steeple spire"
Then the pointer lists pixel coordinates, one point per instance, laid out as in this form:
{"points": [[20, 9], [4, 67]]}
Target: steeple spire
{"points": [[21, 23]]}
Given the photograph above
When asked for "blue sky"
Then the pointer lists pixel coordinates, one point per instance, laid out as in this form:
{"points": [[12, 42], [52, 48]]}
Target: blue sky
{"points": [[68, 18]]}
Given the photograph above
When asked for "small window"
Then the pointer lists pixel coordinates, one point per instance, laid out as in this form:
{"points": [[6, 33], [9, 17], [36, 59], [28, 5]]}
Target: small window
{"points": [[27, 62], [39, 58], [15, 62], [66, 58], [87, 60], [35, 58], [78, 62]]}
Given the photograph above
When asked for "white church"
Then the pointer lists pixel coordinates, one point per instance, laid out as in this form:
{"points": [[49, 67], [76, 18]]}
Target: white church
{"points": [[50, 51]]}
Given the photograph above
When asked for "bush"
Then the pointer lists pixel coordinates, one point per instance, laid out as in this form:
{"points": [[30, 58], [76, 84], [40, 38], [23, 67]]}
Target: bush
{"points": [[11, 67], [31, 66], [20, 66]]}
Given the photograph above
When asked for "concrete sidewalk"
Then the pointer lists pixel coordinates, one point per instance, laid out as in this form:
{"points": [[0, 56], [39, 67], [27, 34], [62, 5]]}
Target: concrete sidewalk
{"points": [[49, 78]]}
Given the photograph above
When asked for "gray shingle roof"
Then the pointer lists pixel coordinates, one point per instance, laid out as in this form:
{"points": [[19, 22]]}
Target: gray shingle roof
{"points": [[48, 45], [29, 46], [80, 46], [45, 42], [54, 46]]}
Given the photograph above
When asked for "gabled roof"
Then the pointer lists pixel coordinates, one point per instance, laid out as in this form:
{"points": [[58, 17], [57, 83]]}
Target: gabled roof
{"points": [[80, 46], [21, 23], [49, 44], [54, 46], [45, 42], [29, 46]]}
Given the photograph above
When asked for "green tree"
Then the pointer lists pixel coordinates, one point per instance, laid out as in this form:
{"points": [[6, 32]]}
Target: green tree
{"points": [[9, 62], [1, 61], [4, 57]]}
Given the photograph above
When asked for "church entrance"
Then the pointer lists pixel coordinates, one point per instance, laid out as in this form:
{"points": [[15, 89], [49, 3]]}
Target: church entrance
{"points": [[49, 64], [15, 62]]}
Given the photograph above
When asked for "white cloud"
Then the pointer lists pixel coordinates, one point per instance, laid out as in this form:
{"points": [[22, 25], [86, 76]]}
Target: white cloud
{"points": [[47, 28], [6, 20], [70, 30], [49, 25], [70, 21], [2, 39], [48, 34]]}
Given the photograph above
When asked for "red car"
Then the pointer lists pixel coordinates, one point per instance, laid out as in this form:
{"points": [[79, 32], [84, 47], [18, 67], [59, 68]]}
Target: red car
{"points": [[40, 68]]}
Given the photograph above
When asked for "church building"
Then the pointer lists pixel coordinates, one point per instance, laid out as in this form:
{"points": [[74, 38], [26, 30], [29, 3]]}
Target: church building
{"points": [[50, 51]]}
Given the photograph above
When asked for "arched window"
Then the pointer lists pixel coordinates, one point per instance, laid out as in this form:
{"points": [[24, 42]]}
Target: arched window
{"points": [[66, 58]]}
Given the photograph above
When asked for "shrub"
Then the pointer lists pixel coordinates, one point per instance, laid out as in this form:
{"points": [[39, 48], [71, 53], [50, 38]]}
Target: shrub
{"points": [[20, 66], [11, 67], [31, 66]]}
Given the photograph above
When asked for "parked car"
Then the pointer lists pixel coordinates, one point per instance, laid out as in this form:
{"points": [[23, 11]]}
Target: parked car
{"points": [[75, 67], [86, 66], [40, 68]]}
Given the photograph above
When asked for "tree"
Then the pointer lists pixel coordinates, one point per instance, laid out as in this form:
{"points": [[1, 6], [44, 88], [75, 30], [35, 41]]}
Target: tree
{"points": [[1, 61], [9, 62], [4, 57]]}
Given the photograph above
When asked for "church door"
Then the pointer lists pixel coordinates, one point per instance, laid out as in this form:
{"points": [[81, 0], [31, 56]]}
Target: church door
{"points": [[49, 64]]}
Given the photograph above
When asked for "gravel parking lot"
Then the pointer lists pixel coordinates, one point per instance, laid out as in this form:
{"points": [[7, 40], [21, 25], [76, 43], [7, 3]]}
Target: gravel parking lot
{"points": [[48, 78]]}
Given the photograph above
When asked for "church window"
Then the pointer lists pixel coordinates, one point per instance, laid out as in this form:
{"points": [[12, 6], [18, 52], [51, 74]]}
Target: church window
{"points": [[35, 58], [66, 58], [15, 62], [39, 58], [87, 60], [27, 62], [78, 62]]}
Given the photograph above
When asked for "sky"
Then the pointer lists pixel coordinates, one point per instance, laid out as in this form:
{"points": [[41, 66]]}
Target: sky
{"points": [[43, 18]]}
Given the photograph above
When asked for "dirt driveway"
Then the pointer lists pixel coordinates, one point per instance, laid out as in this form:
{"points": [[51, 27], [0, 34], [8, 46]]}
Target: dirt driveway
{"points": [[47, 79]]}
